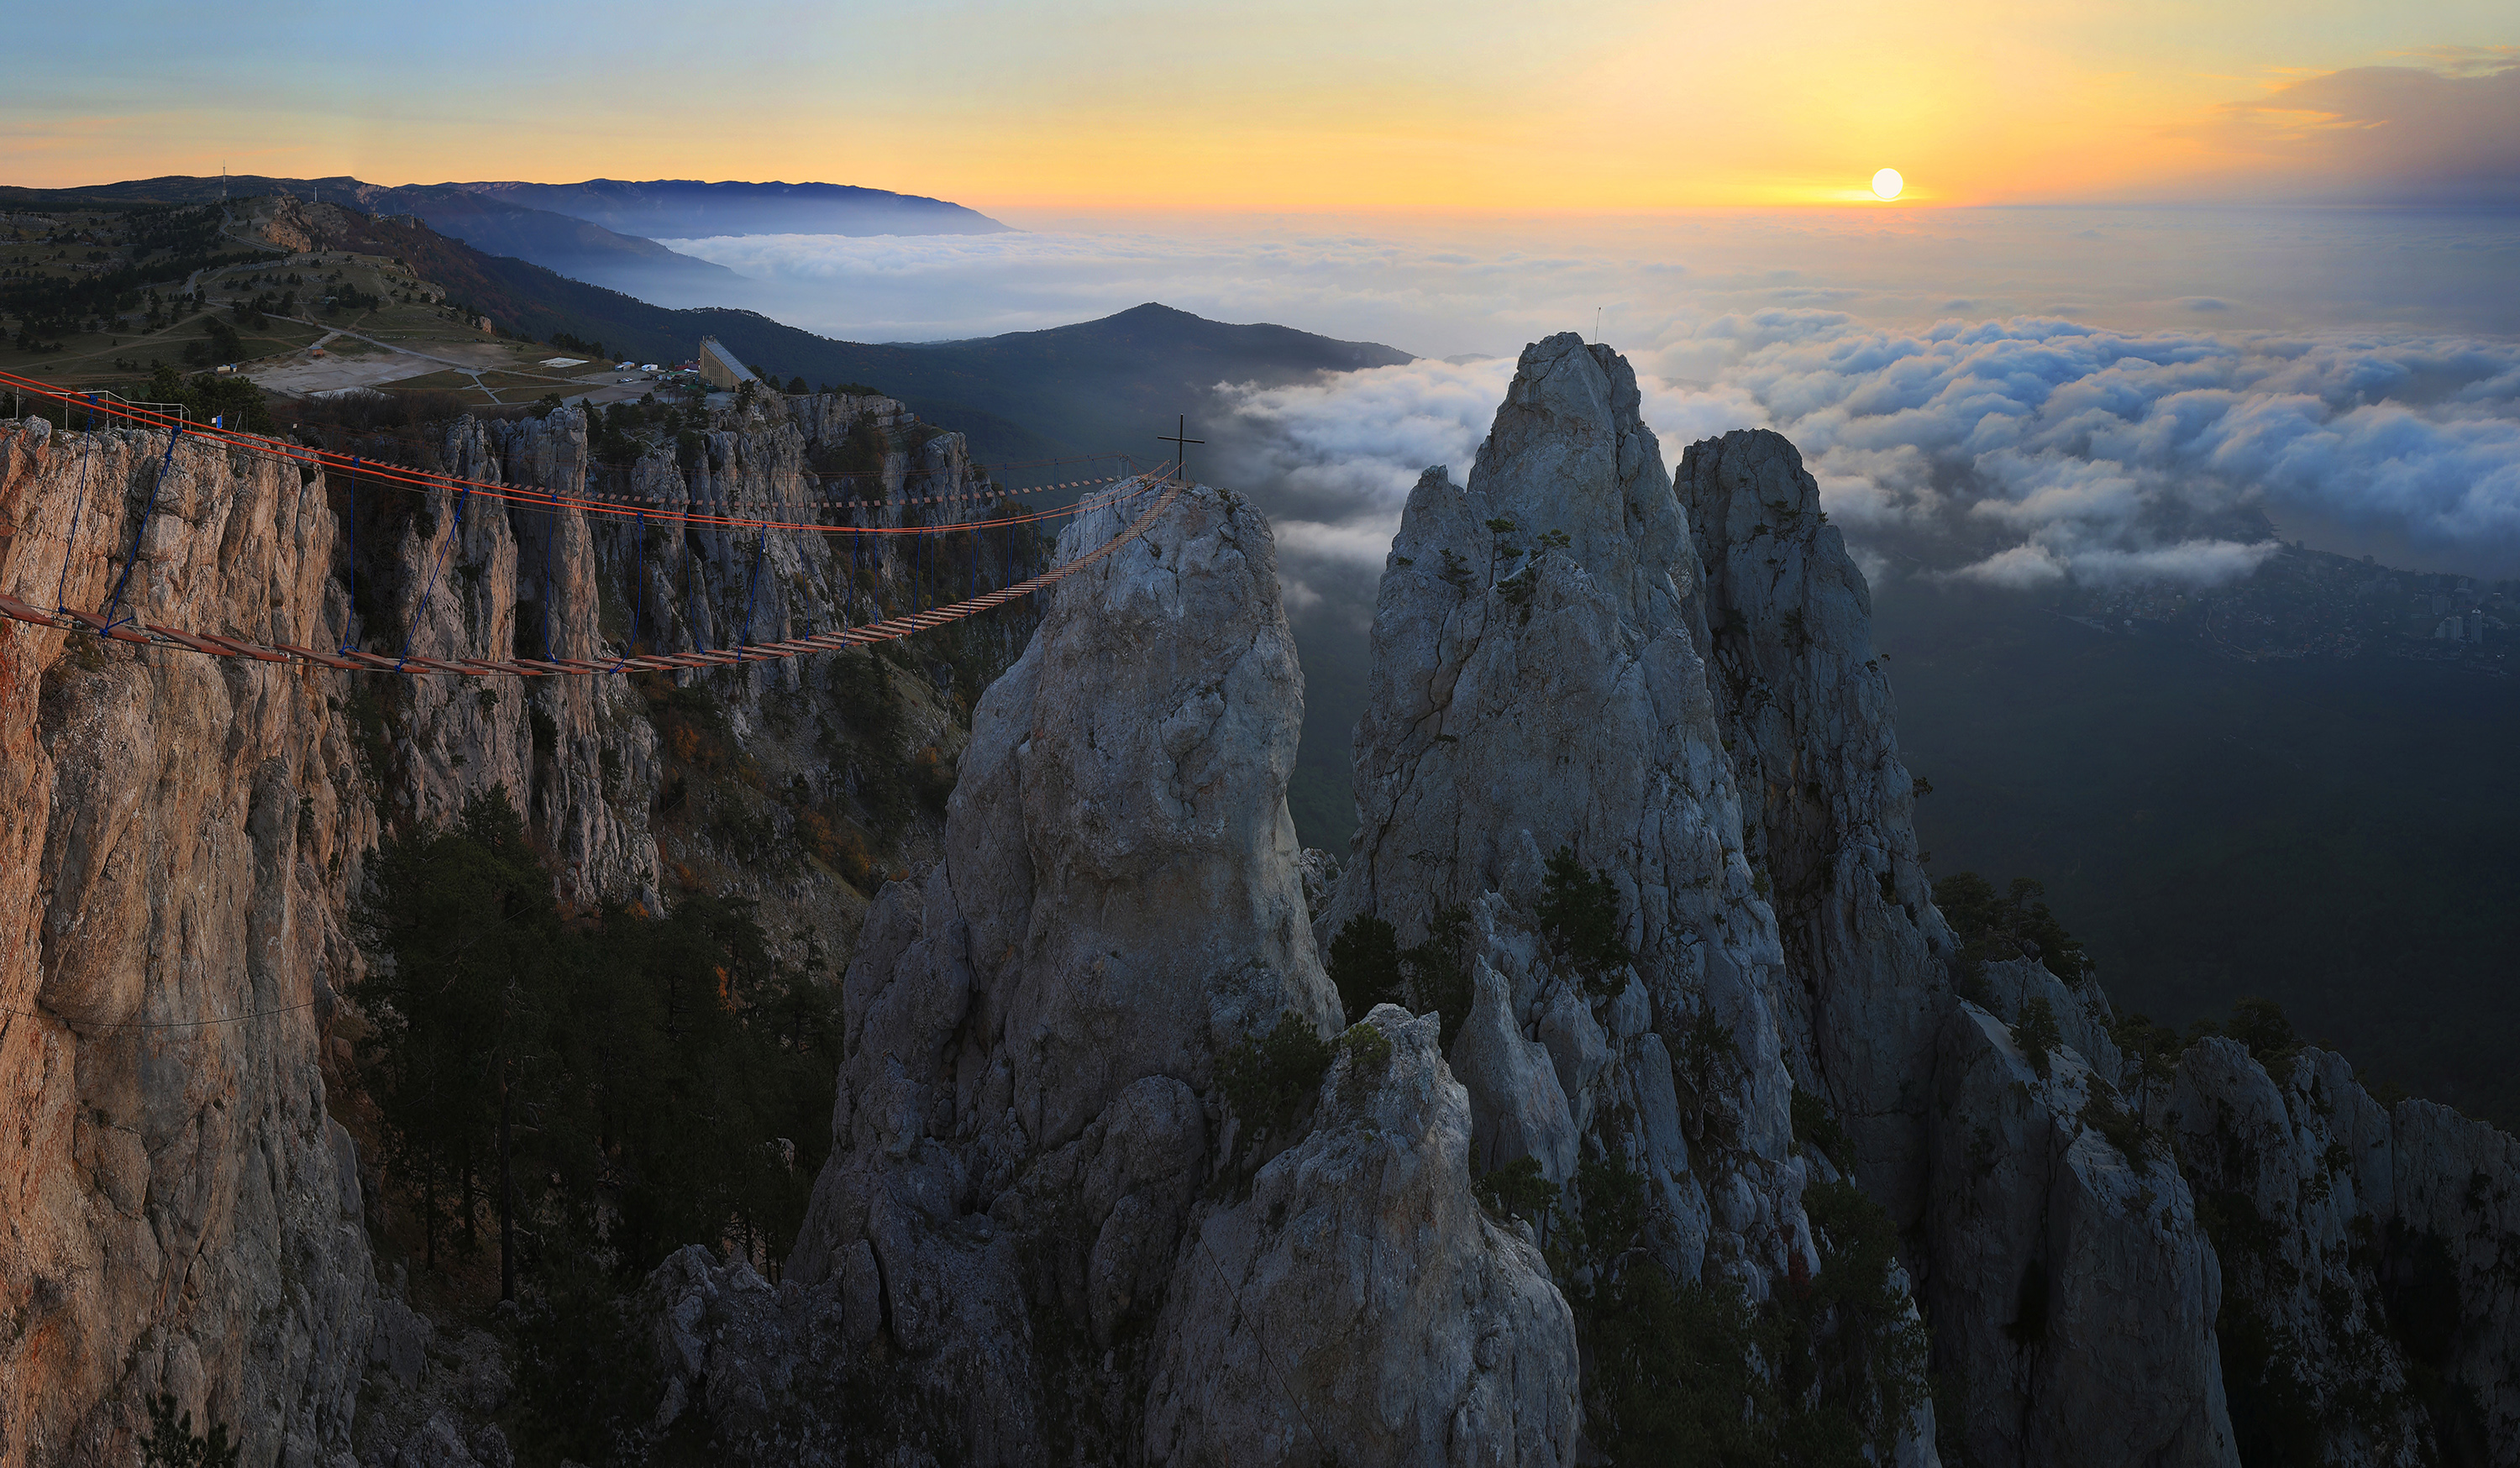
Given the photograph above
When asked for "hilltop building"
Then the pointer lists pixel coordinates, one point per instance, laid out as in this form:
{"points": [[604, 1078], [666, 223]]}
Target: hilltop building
{"points": [[720, 368]]}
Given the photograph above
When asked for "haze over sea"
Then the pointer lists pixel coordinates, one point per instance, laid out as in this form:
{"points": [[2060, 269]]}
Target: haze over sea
{"points": [[2011, 394]]}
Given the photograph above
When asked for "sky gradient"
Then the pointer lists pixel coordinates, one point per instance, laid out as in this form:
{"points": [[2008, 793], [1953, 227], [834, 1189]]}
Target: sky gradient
{"points": [[2115, 306], [1013, 104]]}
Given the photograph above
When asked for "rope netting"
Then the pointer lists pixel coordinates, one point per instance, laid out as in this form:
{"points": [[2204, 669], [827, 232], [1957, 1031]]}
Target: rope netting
{"points": [[115, 624]]}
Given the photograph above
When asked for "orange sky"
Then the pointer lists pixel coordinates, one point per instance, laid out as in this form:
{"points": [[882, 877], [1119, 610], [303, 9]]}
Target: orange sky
{"points": [[1295, 105]]}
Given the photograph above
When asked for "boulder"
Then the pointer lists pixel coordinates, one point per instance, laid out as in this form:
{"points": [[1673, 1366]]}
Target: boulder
{"points": [[1517, 1105]]}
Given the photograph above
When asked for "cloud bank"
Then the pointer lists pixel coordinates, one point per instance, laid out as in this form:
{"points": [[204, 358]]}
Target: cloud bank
{"points": [[1447, 287], [2016, 452], [2109, 394]]}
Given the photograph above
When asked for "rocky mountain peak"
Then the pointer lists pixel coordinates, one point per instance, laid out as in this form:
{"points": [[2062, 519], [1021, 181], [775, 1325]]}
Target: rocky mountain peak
{"points": [[1569, 456], [1646, 1099]]}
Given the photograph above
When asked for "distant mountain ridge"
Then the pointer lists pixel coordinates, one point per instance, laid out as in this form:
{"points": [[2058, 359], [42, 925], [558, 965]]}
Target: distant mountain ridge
{"points": [[1087, 387], [1097, 385], [676, 208], [601, 230], [578, 248]]}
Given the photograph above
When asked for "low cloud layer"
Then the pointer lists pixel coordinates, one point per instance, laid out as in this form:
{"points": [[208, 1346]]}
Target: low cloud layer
{"points": [[2005, 396], [2017, 454], [1446, 286]]}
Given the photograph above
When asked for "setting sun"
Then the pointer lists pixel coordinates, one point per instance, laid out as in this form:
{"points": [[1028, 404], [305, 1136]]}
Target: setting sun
{"points": [[1887, 183]]}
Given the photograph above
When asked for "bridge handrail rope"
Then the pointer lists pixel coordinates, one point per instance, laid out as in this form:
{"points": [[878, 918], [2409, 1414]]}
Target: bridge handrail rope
{"points": [[1166, 490], [348, 658], [174, 1024]]}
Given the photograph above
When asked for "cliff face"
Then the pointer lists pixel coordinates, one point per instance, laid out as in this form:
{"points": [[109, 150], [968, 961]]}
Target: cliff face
{"points": [[182, 839], [2167, 1256], [2025, 1229], [583, 757], [2368, 1254], [176, 838]]}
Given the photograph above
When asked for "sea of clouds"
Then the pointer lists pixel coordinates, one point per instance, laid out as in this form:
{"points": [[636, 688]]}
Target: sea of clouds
{"points": [[2012, 397], [2018, 453]]}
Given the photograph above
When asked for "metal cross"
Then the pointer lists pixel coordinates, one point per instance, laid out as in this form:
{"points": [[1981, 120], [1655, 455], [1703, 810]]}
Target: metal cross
{"points": [[1180, 426]]}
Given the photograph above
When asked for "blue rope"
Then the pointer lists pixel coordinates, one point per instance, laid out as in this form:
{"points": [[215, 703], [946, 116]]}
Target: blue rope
{"points": [[353, 578], [165, 467], [431, 588], [690, 603], [638, 607], [78, 507], [549, 536], [752, 591]]}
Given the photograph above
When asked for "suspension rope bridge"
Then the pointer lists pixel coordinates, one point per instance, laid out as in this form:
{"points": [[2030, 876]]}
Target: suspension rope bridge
{"points": [[1156, 489]]}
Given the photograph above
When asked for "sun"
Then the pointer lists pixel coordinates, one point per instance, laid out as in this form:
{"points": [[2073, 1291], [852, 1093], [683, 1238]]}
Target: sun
{"points": [[1887, 183]]}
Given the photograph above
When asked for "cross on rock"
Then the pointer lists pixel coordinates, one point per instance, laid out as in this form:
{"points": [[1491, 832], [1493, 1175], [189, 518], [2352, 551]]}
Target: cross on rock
{"points": [[1181, 444]]}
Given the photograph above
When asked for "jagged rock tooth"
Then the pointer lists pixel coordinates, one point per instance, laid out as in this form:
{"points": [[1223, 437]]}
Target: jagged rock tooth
{"points": [[1515, 1099], [1536, 684], [1359, 1304], [1783, 618], [1031, 1022]]}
